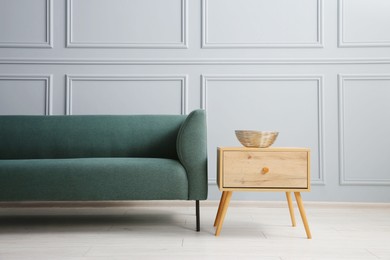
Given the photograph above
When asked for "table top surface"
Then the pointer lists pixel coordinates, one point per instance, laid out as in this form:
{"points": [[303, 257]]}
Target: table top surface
{"points": [[268, 149]]}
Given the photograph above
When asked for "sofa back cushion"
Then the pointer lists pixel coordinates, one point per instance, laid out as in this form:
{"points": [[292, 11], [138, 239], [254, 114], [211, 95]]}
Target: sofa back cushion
{"points": [[49, 137]]}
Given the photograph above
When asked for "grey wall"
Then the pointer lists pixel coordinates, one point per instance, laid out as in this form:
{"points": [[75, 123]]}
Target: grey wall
{"points": [[317, 71]]}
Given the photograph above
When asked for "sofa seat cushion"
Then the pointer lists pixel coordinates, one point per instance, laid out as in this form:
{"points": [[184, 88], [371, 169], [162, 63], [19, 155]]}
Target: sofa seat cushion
{"points": [[92, 179]]}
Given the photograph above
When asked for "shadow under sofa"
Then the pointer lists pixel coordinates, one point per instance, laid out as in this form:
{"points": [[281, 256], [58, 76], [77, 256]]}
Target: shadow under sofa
{"points": [[104, 158]]}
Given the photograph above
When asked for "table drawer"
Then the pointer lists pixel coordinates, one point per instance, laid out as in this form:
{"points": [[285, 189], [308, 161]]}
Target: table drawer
{"points": [[261, 169]]}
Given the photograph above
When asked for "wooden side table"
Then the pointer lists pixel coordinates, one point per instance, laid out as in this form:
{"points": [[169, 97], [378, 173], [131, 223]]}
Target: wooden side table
{"points": [[263, 169]]}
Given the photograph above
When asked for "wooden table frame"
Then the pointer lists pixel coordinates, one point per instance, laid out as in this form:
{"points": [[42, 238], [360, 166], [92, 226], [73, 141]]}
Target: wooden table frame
{"points": [[228, 192], [227, 195]]}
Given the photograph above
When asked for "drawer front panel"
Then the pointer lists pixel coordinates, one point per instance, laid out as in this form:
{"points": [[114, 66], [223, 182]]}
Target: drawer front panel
{"points": [[253, 169]]}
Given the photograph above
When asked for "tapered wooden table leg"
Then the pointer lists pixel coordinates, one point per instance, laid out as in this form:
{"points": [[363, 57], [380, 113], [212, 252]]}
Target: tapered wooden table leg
{"points": [[291, 208], [225, 206], [303, 214], [221, 202]]}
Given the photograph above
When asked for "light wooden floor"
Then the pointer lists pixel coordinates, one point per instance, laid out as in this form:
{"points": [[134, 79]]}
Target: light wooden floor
{"points": [[165, 230]]}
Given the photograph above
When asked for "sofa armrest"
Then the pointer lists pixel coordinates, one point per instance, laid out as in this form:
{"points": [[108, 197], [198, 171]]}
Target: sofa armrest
{"points": [[192, 152]]}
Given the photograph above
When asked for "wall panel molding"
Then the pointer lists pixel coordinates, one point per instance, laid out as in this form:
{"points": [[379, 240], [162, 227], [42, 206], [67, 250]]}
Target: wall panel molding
{"points": [[48, 43], [344, 178], [342, 42], [48, 79], [207, 44], [205, 61], [183, 44], [183, 79], [243, 77]]}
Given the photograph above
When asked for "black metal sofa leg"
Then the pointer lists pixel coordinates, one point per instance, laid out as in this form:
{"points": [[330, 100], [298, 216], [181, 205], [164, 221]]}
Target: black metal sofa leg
{"points": [[197, 216]]}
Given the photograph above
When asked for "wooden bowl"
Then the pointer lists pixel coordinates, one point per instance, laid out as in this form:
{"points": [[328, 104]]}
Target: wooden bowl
{"points": [[258, 139]]}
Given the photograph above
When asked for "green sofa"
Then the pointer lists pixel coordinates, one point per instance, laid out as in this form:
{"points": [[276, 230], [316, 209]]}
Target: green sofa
{"points": [[103, 158]]}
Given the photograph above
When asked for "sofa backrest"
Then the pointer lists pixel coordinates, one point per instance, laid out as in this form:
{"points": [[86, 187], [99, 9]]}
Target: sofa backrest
{"points": [[47, 137]]}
